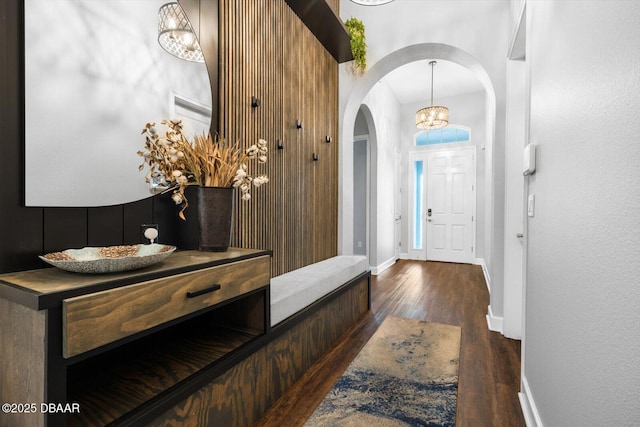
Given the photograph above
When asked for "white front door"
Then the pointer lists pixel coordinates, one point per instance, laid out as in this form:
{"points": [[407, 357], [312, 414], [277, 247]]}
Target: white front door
{"points": [[442, 181], [450, 205]]}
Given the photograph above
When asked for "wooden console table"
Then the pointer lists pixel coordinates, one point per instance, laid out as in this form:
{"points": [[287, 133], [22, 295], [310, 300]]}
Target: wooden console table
{"points": [[123, 348]]}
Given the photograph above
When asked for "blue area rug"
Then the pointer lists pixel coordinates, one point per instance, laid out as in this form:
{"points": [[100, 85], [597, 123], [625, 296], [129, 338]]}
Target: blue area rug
{"points": [[406, 375]]}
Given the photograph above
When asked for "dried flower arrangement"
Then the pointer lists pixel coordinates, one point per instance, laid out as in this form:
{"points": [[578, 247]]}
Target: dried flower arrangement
{"points": [[175, 163]]}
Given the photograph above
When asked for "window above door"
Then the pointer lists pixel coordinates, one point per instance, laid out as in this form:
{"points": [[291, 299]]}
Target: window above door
{"points": [[449, 134]]}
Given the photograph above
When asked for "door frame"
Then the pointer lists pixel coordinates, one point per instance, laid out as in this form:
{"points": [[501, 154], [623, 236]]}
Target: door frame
{"points": [[515, 215], [517, 133], [397, 206]]}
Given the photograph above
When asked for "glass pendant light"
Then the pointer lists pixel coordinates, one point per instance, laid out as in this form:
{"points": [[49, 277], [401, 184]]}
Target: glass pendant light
{"points": [[435, 116], [176, 35]]}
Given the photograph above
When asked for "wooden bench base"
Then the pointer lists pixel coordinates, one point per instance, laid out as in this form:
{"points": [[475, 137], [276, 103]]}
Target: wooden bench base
{"points": [[275, 362]]}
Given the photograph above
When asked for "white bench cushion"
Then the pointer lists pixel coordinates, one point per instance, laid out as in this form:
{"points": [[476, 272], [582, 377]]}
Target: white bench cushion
{"points": [[293, 291]]}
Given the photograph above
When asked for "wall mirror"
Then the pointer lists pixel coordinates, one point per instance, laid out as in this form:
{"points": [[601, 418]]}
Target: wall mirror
{"points": [[94, 76]]}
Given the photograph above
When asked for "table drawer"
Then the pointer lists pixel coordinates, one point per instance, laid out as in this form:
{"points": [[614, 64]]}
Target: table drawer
{"points": [[93, 320]]}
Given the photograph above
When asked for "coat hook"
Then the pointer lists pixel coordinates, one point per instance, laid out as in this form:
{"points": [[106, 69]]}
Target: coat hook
{"points": [[298, 124], [327, 139], [280, 144], [315, 157], [255, 102]]}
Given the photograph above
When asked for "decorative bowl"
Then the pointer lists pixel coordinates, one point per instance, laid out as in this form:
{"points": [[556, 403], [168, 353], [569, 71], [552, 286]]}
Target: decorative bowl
{"points": [[109, 259]]}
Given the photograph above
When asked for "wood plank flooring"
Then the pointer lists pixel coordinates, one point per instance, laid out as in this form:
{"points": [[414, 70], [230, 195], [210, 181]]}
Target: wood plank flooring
{"points": [[453, 294]]}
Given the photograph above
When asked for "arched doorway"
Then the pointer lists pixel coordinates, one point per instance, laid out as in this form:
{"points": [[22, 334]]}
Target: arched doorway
{"points": [[367, 81], [350, 109], [365, 174]]}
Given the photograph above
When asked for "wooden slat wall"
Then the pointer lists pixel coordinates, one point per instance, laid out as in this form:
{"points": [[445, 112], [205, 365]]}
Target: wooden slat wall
{"points": [[335, 5], [267, 52]]}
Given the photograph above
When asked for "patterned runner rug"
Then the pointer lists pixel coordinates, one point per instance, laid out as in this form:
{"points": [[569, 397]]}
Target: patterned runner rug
{"points": [[406, 375]]}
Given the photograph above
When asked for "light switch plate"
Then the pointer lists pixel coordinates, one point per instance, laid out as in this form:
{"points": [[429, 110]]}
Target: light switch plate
{"points": [[531, 205], [529, 159]]}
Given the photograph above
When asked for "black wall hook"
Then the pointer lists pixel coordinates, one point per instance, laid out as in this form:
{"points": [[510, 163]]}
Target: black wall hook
{"points": [[280, 144], [255, 102], [315, 157], [327, 139], [298, 124]]}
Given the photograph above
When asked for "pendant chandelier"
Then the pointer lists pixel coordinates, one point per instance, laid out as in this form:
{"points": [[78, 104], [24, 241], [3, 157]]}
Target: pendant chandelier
{"points": [[433, 117], [176, 35], [371, 2]]}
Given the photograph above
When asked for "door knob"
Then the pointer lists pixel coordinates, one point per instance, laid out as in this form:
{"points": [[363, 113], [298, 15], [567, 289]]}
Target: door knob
{"points": [[519, 235]]}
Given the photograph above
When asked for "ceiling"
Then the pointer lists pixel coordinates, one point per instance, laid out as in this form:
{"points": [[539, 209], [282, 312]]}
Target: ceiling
{"points": [[412, 82]]}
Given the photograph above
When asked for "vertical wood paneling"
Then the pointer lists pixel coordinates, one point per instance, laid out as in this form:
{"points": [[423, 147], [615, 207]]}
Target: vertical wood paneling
{"points": [[134, 215], [267, 52], [165, 215], [64, 228], [104, 226], [335, 5], [20, 227], [309, 207]]}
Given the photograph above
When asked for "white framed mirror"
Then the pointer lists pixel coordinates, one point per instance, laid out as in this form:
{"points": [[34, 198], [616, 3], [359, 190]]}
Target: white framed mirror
{"points": [[94, 76]]}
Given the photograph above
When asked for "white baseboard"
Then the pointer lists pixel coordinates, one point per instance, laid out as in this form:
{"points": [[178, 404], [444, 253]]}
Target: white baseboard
{"points": [[528, 405], [494, 322], [485, 271], [382, 267]]}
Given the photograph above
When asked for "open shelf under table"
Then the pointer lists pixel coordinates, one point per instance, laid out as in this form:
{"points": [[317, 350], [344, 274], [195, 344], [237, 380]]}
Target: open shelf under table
{"points": [[114, 383]]}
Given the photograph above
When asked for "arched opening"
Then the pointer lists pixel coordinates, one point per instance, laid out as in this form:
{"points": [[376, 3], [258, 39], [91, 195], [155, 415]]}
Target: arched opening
{"points": [[350, 109], [365, 184]]}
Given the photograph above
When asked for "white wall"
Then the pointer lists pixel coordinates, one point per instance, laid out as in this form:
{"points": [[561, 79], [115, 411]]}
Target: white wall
{"points": [[582, 352], [466, 110], [385, 112], [438, 29]]}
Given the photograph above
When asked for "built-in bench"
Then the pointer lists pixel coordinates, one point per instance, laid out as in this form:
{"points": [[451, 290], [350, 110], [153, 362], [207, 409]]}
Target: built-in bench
{"points": [[311, 309], [293, 291]]}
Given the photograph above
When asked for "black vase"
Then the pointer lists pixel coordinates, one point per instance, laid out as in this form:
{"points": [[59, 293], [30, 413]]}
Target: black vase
{"points": [[209, 217]]}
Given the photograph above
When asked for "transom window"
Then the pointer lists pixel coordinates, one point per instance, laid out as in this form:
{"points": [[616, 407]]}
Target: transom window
{"points": [[443, 136]]}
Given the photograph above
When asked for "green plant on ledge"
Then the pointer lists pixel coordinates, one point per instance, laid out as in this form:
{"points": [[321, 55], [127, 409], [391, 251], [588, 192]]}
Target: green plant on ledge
{"points": [[358, 45]]}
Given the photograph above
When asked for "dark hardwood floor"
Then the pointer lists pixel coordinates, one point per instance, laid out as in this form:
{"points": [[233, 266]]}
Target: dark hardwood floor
{"points": [[454, 294]]}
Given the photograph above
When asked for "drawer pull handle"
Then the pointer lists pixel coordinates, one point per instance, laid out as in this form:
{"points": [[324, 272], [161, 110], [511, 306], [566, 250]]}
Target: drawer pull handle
{"points": [[211, 288]]}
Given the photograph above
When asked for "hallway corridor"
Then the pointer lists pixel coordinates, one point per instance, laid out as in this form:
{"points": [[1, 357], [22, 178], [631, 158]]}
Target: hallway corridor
{"points": [[447, 293]]}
